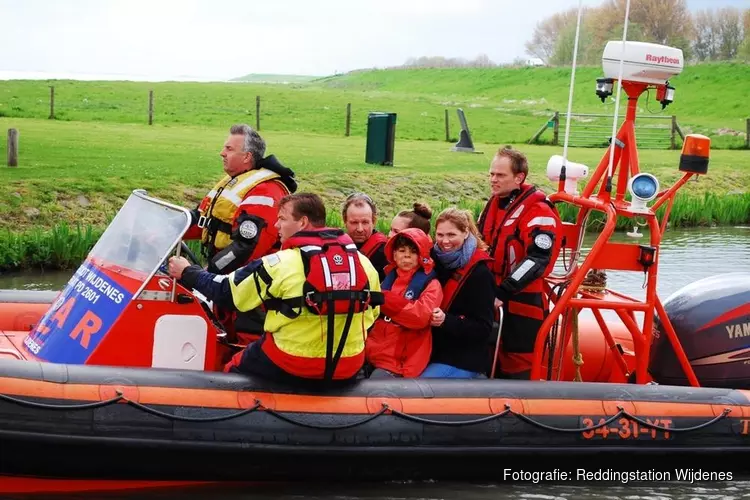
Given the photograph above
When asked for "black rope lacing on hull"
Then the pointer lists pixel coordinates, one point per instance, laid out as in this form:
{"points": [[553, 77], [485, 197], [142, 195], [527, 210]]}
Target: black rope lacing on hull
{"points": [[182, 418], [384, 410], [546, 427], [645, 423], [370, 418], [447, 423]]}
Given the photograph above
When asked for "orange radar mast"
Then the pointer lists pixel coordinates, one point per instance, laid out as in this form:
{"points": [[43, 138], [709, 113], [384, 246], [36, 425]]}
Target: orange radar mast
{"points": [[635, 67]]}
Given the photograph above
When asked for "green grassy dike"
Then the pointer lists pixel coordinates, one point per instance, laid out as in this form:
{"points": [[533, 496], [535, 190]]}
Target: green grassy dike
{"points": [[503, 105], [73, 177], [76, 171]]}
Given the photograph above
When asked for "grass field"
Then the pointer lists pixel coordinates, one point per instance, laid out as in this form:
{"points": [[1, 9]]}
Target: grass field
{"points": [[83, 171], [75, 172], [503, 105]]}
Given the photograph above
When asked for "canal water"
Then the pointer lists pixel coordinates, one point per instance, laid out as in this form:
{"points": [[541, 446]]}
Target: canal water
{"points": [[437, 490], [687, 255]]}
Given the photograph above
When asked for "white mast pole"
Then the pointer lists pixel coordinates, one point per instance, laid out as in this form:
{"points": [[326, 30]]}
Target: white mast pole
{"points": [[613, 143], [572, 83]]}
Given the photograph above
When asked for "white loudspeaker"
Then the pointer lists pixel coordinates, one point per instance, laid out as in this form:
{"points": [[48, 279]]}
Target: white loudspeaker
{"points": [[573, 172]]}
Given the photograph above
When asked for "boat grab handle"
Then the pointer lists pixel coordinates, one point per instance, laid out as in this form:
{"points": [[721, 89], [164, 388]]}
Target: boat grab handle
{"points": [[497, 342], [12, 353]]}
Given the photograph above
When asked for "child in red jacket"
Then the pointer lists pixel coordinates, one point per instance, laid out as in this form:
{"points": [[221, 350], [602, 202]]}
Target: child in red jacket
{"points": [[400, 342]]}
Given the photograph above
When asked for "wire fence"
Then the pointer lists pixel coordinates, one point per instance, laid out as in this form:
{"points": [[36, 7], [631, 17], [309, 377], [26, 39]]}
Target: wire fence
{"points": [[320, 112], [591, 130]]}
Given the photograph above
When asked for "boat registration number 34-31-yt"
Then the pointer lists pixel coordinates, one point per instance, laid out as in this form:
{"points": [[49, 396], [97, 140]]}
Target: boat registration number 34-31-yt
{"points": [[625, 428]]}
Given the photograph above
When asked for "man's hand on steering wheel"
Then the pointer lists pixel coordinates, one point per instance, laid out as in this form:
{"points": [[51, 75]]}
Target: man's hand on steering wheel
{"points": [[176, 266], [185, 250]]}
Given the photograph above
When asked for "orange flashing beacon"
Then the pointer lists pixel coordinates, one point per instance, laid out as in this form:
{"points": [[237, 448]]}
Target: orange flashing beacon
{"points": [[695, 153]]}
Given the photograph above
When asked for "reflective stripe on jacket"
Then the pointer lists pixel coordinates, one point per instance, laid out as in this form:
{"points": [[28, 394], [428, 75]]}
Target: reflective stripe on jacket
{"points": [[220, 205], [298, 345]]}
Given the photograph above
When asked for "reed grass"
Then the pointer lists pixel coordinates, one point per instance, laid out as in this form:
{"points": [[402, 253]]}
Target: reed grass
{"points": [[65, 246], [707, 210], [62, 247]]}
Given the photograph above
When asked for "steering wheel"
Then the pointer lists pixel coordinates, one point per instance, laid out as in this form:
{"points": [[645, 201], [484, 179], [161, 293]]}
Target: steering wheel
{"points": [[184, 251]]}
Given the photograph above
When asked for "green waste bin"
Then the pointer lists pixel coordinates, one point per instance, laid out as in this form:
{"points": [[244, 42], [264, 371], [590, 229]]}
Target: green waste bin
{"points": [[381, 136]]}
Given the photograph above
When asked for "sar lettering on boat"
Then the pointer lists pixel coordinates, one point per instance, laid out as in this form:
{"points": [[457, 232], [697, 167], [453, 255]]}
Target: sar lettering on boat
{"points": [[88, 307]]}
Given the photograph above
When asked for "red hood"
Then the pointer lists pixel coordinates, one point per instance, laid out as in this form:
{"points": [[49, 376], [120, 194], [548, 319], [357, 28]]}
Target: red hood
{"points": [[421, 240]]}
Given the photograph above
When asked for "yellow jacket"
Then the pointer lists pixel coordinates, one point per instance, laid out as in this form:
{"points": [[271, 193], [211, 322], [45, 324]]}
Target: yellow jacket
{"points": [[219, 206], [298, 345]]}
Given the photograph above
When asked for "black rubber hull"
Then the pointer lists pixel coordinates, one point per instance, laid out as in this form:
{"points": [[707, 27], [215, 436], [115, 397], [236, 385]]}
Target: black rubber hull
{"points": [[523, 424], [141, 460]]}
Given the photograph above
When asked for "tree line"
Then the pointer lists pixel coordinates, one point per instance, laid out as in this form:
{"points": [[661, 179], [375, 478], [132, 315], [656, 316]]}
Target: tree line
{"points": [[480, 61], [707, 35]]}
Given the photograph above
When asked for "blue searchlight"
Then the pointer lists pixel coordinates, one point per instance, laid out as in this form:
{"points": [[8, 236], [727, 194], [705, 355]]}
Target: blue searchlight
{"points": [[643, 188]]}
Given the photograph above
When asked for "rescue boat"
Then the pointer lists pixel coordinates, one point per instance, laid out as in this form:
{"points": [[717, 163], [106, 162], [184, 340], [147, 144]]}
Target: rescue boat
{"points": [[118, 376]]}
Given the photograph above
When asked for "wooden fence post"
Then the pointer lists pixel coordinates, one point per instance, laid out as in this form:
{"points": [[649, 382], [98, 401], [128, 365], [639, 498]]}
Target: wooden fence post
{"points": [[678, 129], [150, 107], [545, 127], [12, 147], [257, 112], [447, 128], [556, 129], [52, 102], [348, 118]]}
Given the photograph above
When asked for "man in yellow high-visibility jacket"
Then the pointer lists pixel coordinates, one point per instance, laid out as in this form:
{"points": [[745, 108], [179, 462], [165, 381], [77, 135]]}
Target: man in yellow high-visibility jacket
{"points": [[318, 272]]}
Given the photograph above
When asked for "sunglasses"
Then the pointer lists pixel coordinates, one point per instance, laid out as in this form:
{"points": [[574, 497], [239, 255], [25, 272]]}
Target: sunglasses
{"points": [[360, 195]]}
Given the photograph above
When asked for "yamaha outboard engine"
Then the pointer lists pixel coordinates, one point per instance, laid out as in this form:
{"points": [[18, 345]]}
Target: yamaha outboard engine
{"points": [[712, 320]]}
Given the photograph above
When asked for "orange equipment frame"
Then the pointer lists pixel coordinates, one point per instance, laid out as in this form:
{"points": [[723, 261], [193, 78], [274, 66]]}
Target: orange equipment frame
{"points": [[615, 256]]}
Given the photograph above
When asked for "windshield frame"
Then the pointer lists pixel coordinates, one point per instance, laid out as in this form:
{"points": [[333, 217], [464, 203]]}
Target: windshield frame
{"points": [[143, 194]]}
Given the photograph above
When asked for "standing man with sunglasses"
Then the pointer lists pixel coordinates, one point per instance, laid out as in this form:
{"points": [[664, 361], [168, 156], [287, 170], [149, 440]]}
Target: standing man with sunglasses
{"points": [[236, 220], [360, 215]]}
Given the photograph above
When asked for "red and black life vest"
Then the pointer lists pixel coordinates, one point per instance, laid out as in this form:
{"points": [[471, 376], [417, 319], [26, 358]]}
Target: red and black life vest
{"points": [[375, 241], [459, 277], [335, 283], [500, 229]]}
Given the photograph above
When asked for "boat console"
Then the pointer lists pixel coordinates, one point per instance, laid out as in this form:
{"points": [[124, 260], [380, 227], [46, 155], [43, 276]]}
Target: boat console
{"points": [[120, 308]]}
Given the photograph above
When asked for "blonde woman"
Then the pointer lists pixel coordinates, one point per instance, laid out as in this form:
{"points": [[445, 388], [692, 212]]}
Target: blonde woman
{"points": [[462, 325]]}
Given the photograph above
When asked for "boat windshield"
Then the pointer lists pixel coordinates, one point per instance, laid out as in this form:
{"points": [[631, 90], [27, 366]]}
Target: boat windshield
{"points": [[129, 253], [142, 233]]}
